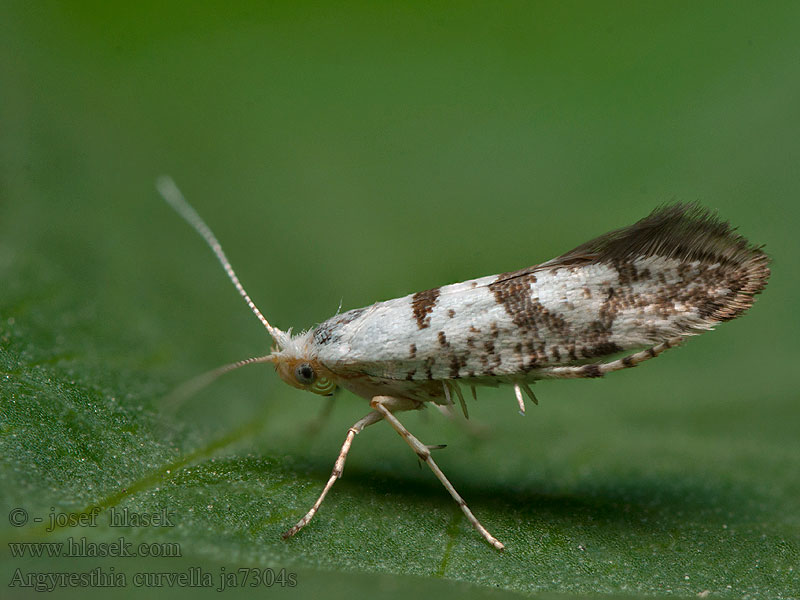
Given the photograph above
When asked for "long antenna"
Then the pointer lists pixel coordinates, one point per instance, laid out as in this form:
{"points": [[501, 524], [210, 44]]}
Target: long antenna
{"points": [[169, 190], [191, 387]]}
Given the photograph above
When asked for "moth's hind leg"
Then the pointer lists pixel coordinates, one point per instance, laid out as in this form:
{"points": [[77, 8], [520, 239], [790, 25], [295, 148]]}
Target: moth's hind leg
{"points": [[600, 369], [338, 467], [386, 405]]}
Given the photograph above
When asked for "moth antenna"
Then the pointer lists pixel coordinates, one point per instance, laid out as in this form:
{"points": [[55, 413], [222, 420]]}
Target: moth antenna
{"points": [[171, 193], [190, 388]]}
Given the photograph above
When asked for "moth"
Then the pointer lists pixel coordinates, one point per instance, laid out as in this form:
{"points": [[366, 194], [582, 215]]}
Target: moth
{"points": [[609, 304]]}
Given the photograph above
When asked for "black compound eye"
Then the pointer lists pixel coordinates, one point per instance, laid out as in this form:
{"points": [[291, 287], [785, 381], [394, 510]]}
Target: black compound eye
{"points": [[304, 373]]}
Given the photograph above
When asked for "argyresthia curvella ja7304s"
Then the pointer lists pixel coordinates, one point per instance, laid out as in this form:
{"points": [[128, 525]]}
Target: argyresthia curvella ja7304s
{"points": [[675, 273]]}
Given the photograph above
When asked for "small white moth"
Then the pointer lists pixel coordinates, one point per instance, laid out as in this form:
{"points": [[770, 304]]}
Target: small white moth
{"points": [[673, 274]]}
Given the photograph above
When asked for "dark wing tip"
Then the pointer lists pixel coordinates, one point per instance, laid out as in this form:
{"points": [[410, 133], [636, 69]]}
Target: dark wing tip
{"points": [[683, 231], [686, 232]]}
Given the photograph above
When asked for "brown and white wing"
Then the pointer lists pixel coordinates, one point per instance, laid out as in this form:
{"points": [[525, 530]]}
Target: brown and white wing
{"points": [[677, 272]]}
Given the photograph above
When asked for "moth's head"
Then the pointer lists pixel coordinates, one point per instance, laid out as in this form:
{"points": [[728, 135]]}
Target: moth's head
{"points": [[292, 355], [297, 366], [305, 374]]}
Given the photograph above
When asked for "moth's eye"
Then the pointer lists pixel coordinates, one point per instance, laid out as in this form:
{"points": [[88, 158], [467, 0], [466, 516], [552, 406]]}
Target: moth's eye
{"points": [[304, 373]]}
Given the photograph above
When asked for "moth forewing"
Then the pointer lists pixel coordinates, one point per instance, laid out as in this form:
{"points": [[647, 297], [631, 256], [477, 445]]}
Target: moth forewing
{"points": [[639, 290]]}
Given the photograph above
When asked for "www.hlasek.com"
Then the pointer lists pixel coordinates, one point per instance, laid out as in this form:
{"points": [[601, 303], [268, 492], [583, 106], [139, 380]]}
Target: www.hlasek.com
{"points": [[194, 577], [83, 548]]}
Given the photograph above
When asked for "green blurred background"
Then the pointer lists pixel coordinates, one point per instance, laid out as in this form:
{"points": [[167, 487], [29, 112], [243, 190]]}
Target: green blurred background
{"points": [[359, 152]]}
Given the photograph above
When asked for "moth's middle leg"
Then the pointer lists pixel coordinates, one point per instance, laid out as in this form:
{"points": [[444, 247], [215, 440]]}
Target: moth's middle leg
{"points": [[386, 405]]}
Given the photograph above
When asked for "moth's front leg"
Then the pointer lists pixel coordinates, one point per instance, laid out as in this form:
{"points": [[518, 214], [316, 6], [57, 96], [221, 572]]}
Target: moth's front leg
{"points": [[386, 405], [338, 467]]}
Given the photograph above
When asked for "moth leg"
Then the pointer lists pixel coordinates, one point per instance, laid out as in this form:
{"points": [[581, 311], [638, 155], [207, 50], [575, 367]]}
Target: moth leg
{"points": [[338, 467], [598, 370], [314, 426], [385, 405]]}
